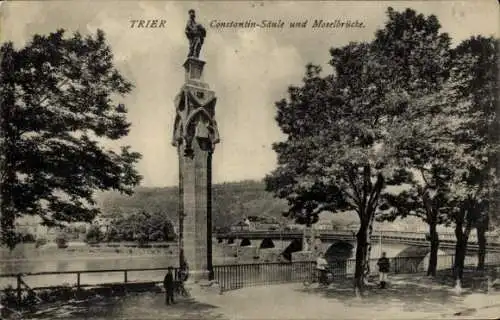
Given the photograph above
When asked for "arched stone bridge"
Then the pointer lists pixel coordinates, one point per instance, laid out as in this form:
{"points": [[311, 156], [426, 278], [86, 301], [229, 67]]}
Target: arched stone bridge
{"points": [[341, 244]]}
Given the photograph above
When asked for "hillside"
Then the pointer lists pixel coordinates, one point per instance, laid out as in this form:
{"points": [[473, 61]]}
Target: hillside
{"points": [[231, 202]]}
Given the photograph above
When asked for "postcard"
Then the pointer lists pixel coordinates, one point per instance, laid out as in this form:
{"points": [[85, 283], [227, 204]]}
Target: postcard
{"points": [[249, 160]]}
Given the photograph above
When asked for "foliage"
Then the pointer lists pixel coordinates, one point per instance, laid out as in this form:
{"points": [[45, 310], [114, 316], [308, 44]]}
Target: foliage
{"points": [[57, 105], [372, 123], [142, 227], [94, 234], [416, 58], [475, 85], [332, 158]]}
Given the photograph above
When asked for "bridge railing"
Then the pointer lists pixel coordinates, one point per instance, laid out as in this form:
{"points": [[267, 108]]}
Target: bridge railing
{"points": [[237, 276]]}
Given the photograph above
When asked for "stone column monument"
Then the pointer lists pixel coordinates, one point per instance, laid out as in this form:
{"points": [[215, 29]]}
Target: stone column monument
{"points": [[195, 136]]}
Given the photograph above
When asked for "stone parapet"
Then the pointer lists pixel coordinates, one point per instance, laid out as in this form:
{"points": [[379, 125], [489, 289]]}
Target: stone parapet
{"points": [[248, 254], [230, 250], [303, 256], [271, 255]]}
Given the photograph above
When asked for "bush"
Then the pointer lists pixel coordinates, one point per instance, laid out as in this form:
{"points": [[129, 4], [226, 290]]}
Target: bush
{"points": [[9, 297], [112, 235], [142, 238], [94, 235]]}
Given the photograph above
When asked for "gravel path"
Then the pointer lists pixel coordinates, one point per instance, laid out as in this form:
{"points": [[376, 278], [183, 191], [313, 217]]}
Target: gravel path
{"points": [[415, 298]]}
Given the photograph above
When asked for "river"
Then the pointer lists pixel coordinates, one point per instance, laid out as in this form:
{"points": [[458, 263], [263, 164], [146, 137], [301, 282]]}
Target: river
{"points": [[78, 257]]}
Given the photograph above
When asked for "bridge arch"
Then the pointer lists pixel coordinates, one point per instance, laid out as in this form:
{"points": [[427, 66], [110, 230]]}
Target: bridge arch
{"points": [[294, 246], [340, 250], [267, 243], [416, 258], [414, 251], [245, 242]]}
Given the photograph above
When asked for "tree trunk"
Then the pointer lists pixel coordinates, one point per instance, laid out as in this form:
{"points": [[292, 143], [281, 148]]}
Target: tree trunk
{"points": [[434, 239], [366, 268], [458, 268], [361, 250], [367, 206], [481, 241], [460, 253]]}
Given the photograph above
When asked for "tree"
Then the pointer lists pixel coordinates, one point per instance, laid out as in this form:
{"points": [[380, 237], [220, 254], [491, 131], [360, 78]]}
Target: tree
{"points": [[476, 86], [422, 146], [332, 158], [483, 86], [57, 104], [416, 58], [142, 226], [339, 127], [94, 234]]}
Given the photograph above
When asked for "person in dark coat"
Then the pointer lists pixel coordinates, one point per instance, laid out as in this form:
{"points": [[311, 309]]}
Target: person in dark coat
{"points": [[383, 268], [168, 284]]}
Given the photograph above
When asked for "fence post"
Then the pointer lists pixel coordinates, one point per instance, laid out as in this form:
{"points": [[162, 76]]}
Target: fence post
{"points": [[19, 290], [78, 280], [125, 276]]}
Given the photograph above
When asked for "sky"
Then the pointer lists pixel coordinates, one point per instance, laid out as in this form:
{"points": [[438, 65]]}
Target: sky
{"points": [[249, 69]]}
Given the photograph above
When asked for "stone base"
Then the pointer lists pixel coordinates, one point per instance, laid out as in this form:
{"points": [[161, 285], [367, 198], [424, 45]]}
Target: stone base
{"points": [[197, 276], [198, 290], [303, 256]]}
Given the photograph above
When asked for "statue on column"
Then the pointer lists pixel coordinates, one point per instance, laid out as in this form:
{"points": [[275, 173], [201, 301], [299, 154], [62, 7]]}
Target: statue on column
{"points": [[196, 34]]}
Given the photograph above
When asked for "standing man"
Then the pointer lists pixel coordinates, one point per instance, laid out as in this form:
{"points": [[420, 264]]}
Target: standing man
{"points": [[383, 268], [168, 284], [321, 265]]}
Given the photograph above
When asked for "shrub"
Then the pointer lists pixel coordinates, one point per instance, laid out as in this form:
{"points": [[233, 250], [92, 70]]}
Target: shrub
{"points": [[94, 235], [142, 238], [9, 297]]}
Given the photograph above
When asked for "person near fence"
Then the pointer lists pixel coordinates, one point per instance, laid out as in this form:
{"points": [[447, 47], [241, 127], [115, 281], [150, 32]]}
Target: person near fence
{"points": [[168, 284], [182, 275], [383, 269], [321, 265]]}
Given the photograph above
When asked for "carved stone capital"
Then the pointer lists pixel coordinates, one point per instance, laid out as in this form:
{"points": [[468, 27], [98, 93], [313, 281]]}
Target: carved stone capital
{"points": [[195, 107]]}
